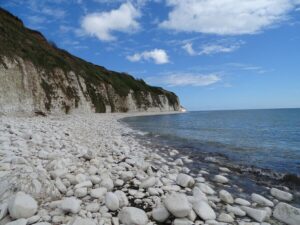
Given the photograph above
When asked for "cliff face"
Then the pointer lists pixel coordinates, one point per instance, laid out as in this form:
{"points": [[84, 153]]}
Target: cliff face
{"points": [[36, 76]]}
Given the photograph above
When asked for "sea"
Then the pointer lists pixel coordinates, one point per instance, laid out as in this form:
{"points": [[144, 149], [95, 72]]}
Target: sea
{"points": [[264, 143]]}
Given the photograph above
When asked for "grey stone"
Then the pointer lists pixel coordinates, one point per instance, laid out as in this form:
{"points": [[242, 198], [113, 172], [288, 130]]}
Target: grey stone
{"points": [[281, 195], [177, 204], [204, 211], [185, 180], [81, 221], [225, 196], [261, 200], [18, 222], [71, 205], [112, 201], [287, 213], [257, 214], [133, 216], [160, 214], [22, 206], [149, 182]]}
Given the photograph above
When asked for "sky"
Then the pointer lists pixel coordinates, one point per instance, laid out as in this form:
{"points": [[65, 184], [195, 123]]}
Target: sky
{"points": [[214, 54]]}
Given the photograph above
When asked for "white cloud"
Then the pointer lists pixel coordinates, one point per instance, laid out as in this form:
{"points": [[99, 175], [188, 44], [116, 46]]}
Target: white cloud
{"points": [[246, 67], [45, 8], [226, 17], [134, 2], [109, 1], [36, 19], [188, 47], [159, 56], [103, 24], [211, 49], [186, 79], [54, 12]]}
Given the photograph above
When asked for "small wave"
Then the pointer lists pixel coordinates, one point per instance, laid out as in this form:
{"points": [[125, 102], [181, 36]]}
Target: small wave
{"points": [[142, 133]]}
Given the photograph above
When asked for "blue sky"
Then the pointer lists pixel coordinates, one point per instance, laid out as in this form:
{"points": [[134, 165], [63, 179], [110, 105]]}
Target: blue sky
{"points": [[214, 54]]}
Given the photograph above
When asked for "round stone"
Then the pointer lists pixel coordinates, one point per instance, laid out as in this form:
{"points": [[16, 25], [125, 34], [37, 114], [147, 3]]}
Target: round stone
{"points": [[22, 206]]}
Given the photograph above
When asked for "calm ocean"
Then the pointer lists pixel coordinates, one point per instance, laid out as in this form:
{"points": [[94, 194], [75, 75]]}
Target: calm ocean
{"points": [[267, 139]]}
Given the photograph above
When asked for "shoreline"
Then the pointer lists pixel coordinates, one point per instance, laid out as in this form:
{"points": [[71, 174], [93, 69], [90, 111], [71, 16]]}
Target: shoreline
{"points": [[95, 163], [292, 180]]}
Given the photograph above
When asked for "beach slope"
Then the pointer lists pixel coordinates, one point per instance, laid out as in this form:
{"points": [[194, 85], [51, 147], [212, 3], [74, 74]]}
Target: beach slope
{"points": [[77, 169]]}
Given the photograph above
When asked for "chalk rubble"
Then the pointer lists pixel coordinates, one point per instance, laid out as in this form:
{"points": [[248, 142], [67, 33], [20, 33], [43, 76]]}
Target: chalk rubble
{"points": [[287, 213], [177, 204], [71, 204], [22, 206], [281, 195], [133, 216], [114, 179]]}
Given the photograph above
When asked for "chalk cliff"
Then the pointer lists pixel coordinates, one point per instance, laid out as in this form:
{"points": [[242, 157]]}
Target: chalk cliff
{"points": [[38, 77]]}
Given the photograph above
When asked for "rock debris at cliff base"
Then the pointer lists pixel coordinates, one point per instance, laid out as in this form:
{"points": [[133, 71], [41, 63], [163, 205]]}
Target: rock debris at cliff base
{"points": [[90, 170]]}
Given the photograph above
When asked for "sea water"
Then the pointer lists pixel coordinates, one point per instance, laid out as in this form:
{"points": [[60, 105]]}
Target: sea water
{"points": [[267, 139]]}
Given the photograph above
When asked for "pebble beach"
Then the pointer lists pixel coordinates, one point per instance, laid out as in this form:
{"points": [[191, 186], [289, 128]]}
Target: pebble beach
{"points": [[91, 170]]}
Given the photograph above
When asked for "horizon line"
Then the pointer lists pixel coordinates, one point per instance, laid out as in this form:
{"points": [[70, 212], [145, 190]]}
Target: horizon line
{"points": [[242, 109]]}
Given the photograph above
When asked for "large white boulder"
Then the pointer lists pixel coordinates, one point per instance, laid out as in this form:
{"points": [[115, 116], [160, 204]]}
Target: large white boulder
{"points": [[112, 201], [221, 179], [261, 200], [81, 192], [18, 222], [178, 205], [206, 188], [281, 195], [179, 162], [95, 179], [33, 219], [226, 197], [126, 175], [226, 218], [242, 201], [123, 200], [192, 215], [185, 180], [71, 205], [3, 210], [182, 221], [160, 214], [287, 213], [83, 184], [107, 183], [98, 192], [204, 211], [22, 206], [259, 215], [235, 210], [79, 178], [198, 194], [133, 216], [149, 182], [60, 185], [81, 221], [92, 207]]}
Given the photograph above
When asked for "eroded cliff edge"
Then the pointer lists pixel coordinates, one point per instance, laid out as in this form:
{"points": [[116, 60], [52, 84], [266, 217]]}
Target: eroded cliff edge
{"points": [[36, 76]]}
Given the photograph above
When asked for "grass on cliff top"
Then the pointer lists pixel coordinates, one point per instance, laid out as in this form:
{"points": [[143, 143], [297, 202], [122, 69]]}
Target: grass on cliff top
{"points": [[17, 40]]}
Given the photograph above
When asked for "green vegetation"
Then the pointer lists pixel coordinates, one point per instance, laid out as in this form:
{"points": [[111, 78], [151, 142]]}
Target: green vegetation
{"points": [[17, 40]]}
